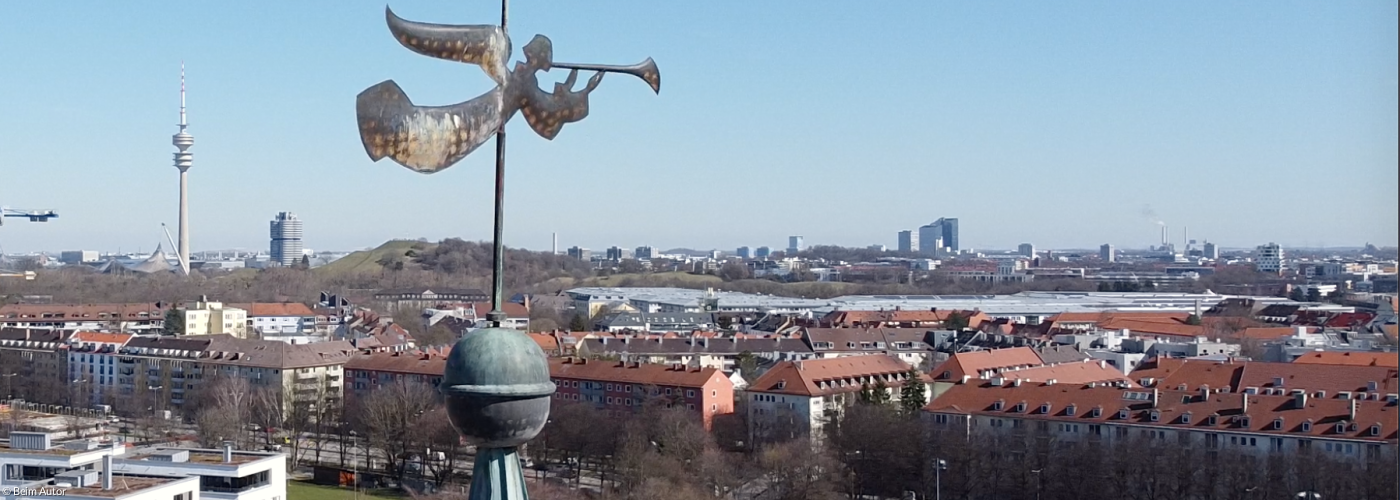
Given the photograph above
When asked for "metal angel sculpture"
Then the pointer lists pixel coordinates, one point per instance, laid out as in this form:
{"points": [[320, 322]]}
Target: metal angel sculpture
{"points": [[429, 139]]}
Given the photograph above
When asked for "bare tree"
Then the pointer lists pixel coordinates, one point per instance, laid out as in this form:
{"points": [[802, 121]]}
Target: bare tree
{"points": [[443, 446], [390, 417], [224, 407], [797, 470]]}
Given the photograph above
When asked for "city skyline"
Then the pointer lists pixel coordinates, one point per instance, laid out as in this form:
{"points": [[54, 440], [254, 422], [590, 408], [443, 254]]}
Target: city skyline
{"points": [[1099, 113]]}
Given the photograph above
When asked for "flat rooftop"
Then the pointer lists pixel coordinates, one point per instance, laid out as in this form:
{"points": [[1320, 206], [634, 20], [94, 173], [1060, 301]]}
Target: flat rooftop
{"points": [[121, 485], [57, 450], [206, 456]]}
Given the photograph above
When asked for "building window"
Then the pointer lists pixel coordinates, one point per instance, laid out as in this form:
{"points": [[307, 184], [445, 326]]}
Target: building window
{"points": [[940, 419], [690, 393]]}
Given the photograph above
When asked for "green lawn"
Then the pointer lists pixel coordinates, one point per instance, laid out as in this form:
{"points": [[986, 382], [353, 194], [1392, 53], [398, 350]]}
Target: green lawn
{"points": [[298, 490]]}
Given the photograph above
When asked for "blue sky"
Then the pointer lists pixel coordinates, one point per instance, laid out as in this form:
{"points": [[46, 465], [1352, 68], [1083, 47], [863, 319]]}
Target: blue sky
{"points": [[1056, 123]]}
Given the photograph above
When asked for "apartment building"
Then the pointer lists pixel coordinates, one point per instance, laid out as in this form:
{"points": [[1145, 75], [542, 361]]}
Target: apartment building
{"points": [[1209, 418], [367, 371], [222, 474], [160, 372], [34, 364], [626, 387], [1269, 258], [417, 299], [797, 398], [213, 318], [136, 318], [92, 375]]}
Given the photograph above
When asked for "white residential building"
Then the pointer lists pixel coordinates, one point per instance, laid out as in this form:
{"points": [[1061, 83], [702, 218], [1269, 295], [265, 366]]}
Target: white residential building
{"points": [[797, 398], [32, 466]]}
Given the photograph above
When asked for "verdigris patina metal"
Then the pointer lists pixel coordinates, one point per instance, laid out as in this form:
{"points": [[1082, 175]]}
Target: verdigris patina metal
{"points": [[497, 390], [496, 384]]}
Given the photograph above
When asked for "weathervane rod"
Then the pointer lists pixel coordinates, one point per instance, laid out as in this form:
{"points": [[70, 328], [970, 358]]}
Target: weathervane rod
{"points": [[497, 314]]}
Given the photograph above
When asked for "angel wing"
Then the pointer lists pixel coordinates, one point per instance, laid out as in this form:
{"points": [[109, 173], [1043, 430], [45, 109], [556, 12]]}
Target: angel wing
{"points": [[484, 45], [425, 139]]}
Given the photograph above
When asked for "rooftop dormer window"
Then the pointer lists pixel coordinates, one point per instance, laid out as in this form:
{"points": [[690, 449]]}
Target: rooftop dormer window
{"points": [[1096, 412], [998, 405], [1375, 429], [1122, 414], [1341, 427], [1186, 418], [1155, 416], [1278, 423], [1213, 419], [1069, 410], [1045, 408], [1021, 407], [1307, 426], [1244, 421]]}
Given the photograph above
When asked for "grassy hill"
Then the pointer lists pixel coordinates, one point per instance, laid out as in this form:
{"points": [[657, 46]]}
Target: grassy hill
{"points": [[367, 261]]}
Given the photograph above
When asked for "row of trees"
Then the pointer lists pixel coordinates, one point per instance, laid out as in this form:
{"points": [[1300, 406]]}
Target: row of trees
{"points": [[877, 450]]}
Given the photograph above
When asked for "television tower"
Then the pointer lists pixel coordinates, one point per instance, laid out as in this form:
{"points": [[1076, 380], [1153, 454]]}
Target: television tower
{"points": [[183, 161]]}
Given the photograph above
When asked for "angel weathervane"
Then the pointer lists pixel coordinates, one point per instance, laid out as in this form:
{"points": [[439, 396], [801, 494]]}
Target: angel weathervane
{"points": [[431, 138]]}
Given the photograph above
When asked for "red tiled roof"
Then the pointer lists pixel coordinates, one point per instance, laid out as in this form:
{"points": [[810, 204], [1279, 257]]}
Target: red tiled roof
{"points": [[980, 398], [633, 373], [1096, 317], [1386, 359], [818, 377], [1194, 374], [82, 311], [975, 362], [101, 338], [411, 362], [1236, 376], [1314, 377], [1154, 327], [547, 342]]}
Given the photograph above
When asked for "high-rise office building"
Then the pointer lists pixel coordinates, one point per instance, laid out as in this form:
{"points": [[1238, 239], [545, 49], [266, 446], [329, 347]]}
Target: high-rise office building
{"points": [[743, 253], [1269, 258], [286, 239], [1107, 254], [1210, 251], [614, 253], [762, 252], [580, 253], [1026, 249], [908, 241], [940, 236], [795, 244], [642, 253]]}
